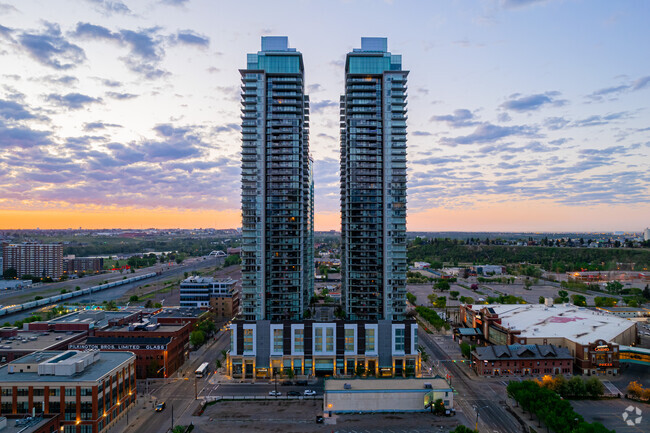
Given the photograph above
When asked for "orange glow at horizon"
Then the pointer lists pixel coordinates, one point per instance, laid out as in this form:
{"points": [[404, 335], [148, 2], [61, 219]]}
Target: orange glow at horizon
{"points": [[507, 217]]}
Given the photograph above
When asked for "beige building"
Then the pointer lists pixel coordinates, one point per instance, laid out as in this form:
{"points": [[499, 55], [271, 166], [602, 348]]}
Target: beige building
{"points": [[385, 395], [37, 260]]}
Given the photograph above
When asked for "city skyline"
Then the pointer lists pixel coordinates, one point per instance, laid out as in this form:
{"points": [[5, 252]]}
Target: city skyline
{"points": [[523, 115]]}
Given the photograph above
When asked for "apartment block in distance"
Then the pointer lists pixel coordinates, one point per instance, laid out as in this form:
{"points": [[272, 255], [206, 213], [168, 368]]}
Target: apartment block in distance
{"points": [[373, 183], [220, 295], [88, 391], [38, 260], [277, 185]]}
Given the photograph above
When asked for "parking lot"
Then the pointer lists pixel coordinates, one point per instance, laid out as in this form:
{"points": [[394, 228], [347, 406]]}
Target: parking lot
{"points": [[611, 413], [421, 291], [300, 416]]}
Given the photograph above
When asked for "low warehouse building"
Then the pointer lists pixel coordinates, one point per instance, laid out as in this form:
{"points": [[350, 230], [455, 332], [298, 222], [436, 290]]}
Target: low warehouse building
{"points": [[385, 395]]}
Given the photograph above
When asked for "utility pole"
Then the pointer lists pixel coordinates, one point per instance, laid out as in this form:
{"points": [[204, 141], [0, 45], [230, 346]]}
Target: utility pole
{"points": [[196, 395]]}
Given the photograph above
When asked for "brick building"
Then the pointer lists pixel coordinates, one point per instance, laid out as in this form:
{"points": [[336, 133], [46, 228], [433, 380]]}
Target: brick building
{"points": [[38, 260], [522, 360], [89, 391], [160, 349], [585, 333], [87, 265]]}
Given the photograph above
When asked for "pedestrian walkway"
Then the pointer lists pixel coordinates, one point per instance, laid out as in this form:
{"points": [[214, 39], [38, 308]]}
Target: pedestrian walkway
{"points": [[612, 388]]}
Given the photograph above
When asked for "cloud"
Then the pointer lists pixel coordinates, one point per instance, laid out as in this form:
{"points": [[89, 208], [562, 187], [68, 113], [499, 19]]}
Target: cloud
{"points": [[420, 133], [313, 88], [532, 102], [555, 123], [65, 79], [73, 101], [109, 7], [641, 83], [613, 92], [488, 133], [320, 106], [145, 47], [51, 49], [22, 137], [511, 4], [229, 127], [189, 37], [174, 2], [461, 118], [597, 120], [120, 96], [6, 32], [99, 125], [7, 8], [14, 111]]}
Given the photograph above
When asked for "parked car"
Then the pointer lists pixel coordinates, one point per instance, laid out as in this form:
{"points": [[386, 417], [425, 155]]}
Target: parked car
{"points": [[302, 383], [293, 394], [319, 419], [160, 406], [274, 393], [309, 392], [286, 383]]}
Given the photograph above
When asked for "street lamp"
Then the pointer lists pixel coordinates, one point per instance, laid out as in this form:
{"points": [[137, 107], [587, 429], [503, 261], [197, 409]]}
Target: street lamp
{"points": [[477, 410]]}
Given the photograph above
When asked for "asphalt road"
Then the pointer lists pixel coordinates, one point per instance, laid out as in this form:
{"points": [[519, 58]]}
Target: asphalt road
{"points": [[177, 393], [487, 397]]}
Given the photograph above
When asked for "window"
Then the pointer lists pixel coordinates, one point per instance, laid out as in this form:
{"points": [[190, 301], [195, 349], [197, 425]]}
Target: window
{"points": [[55, 407], [70, 392], [6, 391], [55, 392], [39, 392], [85, 392], [329, 339], [299, 340], [349, 340], [86, 429], [277, 340], [318, 340], [399, 339], [248, 340], [370, 339], [415, 339], [22, 392]]}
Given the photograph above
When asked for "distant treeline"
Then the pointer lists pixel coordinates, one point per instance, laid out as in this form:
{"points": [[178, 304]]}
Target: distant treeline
{"points": [[111, 246], [557, 259]]}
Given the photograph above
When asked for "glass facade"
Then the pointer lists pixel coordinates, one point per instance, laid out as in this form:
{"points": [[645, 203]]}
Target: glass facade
{"points": [[373, 184], [277, 185]]}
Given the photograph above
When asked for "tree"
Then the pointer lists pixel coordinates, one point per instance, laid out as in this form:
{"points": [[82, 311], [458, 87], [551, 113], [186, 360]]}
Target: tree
{"points": [[411, 298], [218, 364], [133, 298], [465, 349], [439, 407], [541, 299], [576, 387], [10, 274], [197, 338], [614, 287], [603, 301], [361, 370], [442, 285], [594, 387], [111, 306], [157, 305], [474, 287], [432, 298], [148, 304], [579, 300], [231, 260], [454, 294], [423, 354], [441, 302]]}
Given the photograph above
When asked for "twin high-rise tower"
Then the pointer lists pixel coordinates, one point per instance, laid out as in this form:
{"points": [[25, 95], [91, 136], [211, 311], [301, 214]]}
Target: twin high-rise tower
{"points": [[277, 184]]}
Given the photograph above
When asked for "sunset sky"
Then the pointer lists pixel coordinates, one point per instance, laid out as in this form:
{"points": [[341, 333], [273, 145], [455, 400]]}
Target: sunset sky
{"points": [[524, 115]]}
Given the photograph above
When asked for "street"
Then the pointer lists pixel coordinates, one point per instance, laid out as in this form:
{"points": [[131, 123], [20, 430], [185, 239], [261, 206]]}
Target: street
{"points": [[471, 395], [177, 392]]}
